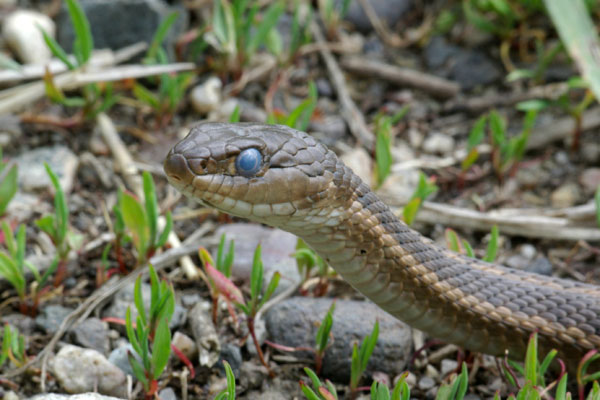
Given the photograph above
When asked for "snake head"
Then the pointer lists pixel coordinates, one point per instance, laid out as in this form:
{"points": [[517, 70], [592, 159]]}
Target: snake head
{"points": [[252, 170]]}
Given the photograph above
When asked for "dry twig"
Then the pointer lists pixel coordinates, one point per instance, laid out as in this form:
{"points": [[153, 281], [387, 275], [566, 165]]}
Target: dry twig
{"points": [[353, 116]]}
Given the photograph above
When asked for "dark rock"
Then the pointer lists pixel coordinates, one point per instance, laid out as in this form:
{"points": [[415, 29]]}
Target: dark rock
{"points": [[92, 334], [540, 265], [51, 317], [23, 323], [233, 355], [469, 67], [390, 11], [294, 322], [119, 23]]}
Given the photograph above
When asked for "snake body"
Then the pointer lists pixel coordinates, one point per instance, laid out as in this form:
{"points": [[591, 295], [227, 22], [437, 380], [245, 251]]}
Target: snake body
{"points": [[302, 187]]}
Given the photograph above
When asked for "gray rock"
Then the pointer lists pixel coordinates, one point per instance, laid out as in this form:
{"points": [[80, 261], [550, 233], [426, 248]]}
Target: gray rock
{"points": [[330, 129], [233, 355], [252, 375], [124, 299], [10, 129], [390, 11], [294, 321], [540, 265], [167, 394], [92, 334], [80, 370], [32, 174], [426, 383], [119, 23], [51, 317], [469, 67], [277, 247], [590, 153], [205, 334], [119, 358], [23, 323], [590, 179], [82, 396]]}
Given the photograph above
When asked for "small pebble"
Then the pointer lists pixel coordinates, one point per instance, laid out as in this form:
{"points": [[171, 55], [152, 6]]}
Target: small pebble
{"points": [[590, 179], [206, 97], [448, 366], [528, 251], [566, 195], [426, 383], [438, 143], [21, 30]]}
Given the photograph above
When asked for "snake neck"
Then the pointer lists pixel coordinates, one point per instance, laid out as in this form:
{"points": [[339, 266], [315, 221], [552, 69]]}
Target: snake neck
{"points": [[480, 306]]}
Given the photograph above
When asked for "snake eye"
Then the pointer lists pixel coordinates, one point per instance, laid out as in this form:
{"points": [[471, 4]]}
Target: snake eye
{"points": [[248, 162]]}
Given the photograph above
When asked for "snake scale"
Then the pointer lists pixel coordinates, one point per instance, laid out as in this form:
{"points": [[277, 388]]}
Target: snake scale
{"points": [[284, 178]]}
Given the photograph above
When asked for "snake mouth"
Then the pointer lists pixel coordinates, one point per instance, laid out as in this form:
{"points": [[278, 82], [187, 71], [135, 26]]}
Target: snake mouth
{"points": [[177, 170]]}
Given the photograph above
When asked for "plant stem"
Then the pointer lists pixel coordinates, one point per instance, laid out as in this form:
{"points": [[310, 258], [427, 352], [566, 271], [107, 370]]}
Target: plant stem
{"points": [[258, 349]]}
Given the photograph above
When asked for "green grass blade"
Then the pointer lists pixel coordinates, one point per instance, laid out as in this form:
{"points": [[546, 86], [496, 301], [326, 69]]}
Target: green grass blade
{"points": [[161, 347], [578, 33], [270, 18], [84, 43]]}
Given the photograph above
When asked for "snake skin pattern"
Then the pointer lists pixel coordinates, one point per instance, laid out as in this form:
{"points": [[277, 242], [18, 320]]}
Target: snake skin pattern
{"points": [[302, 187]]}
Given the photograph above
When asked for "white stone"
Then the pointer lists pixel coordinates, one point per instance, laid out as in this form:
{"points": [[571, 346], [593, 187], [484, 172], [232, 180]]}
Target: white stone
{"points": [[21, 31], [206, 97], [438, 143], [80, 370]]}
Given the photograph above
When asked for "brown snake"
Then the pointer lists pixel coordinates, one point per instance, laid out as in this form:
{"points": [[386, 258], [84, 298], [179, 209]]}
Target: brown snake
{"points": [[292, 182]]}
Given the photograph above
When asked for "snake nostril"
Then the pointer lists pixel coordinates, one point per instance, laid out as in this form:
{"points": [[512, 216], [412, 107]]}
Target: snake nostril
{"points": [[176, 167]]}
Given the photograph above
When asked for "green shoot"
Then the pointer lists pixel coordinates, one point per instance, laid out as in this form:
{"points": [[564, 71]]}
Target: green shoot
{"points": [[360, 357], [457, 389], [383, 143], [171, 87], [225, 261], [235, 115], [12, 268], [492, 248], [425, 188], [154, 327], [220, 284], [323, 392], [506, 152], [96, 98], [235, 33], [8, 183], [257, 299], [332, 13], [322, 337], [300, 116], [306, 261], [13, 347], [229, 393], [56, 226], [142, 221]]}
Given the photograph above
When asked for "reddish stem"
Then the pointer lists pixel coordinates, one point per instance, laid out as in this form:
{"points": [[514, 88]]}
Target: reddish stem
{"points": [[250, 322]]}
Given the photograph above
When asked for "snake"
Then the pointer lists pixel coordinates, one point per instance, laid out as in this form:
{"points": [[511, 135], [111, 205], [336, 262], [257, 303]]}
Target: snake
{"points": [[285, 178]]}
